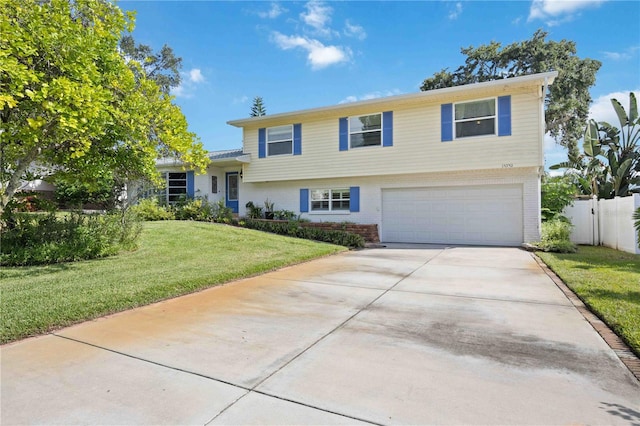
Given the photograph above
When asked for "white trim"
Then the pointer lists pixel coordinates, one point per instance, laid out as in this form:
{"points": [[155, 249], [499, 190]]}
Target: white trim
{"points": [[330, 200], [343, 109]]}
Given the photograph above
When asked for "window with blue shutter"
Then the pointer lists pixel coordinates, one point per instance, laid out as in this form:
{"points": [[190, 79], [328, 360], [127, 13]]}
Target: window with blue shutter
{"points": [[344, 134], [262, 143], [446, 122], [387, 128], [354, 195], [304, 200], [297, 139], [504, 116]]}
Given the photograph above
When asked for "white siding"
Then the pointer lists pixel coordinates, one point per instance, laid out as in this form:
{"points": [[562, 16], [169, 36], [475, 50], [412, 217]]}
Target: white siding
{"points": [[286, 194]]}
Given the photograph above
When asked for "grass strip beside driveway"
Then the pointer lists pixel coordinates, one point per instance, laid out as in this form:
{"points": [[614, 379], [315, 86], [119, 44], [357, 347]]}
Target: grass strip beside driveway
{"points": [[608, 282], [174, 258]]}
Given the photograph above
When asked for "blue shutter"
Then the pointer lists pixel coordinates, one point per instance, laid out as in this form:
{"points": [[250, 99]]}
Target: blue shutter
{"points": [[354, 199], [344, 134], [190, 189], [446, 122], [504, 116], [387, 128], [297, 139], [262, 143], [304, 200]]}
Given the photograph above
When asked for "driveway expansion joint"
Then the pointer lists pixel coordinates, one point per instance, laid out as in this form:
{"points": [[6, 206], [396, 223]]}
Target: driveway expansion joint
{"points": [[617, 345]]}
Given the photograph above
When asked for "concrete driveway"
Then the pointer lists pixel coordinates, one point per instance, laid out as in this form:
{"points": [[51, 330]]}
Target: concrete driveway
{"points": [[419, 334]]}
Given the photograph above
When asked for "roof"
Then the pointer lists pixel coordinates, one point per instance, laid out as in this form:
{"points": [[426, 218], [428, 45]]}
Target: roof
{"points": [[213, 156], [410, 98]]}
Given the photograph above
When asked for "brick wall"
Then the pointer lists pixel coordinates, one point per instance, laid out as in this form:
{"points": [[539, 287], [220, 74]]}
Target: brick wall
{"points": [[368, 232]]}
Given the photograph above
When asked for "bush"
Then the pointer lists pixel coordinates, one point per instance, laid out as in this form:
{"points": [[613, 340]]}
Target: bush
{"points": [[293, 229], [284, 215], [555, 237], [197, 209], [254, 212], [33, 239], [557, 193], [149, 209]]}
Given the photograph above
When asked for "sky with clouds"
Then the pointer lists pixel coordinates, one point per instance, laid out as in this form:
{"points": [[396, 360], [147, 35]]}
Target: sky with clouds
{"points": [[298, 55]]}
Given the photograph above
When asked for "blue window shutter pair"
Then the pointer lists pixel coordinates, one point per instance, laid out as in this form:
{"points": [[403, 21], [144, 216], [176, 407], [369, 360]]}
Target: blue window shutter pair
{"points": [[262, 143], [190, 184], [504, 119], [354, 199], [297, 139], [504, 116]]}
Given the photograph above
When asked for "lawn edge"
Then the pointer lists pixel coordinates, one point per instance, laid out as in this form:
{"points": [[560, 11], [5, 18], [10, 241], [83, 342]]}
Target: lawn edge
{"points": [[53, 330], [615, 342]]}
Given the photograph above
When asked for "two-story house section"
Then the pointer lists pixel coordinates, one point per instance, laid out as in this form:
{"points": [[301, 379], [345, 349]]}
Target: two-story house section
{"points": [[459, 165]]}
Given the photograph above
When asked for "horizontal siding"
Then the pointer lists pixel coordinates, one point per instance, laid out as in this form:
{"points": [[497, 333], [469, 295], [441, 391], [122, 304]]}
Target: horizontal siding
{"points": [[416, 147]]}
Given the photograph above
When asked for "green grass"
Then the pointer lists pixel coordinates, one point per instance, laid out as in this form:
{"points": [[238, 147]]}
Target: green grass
{"points": [[608, 281], [174, 258]]}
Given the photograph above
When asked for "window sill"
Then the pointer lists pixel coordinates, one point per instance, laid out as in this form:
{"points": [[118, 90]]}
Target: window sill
{"points": [[335, 212]]}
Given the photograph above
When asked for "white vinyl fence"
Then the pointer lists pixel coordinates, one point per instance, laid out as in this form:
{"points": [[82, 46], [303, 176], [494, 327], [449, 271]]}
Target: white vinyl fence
{"points": [[605, 222]]}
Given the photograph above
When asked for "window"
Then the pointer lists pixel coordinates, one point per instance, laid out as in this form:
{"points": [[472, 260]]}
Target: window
{"points": [[365, 130], [280, 140], [475, 118], [176, 186], [330, 200], [214, 184]]}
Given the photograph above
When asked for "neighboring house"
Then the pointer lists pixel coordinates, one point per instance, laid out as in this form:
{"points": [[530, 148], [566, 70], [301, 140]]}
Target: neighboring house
{"points": [[459, 165]]}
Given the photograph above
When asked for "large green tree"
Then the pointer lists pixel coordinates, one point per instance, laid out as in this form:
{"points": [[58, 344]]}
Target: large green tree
{"points": [[71, 102], [257, 108], [567, 103]]}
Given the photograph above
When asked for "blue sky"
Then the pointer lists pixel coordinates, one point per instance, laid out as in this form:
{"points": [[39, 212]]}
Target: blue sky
{"points": [[298, 55]]}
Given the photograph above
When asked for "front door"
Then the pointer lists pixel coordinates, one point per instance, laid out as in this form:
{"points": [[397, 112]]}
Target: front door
{"points": [[231, 198]]}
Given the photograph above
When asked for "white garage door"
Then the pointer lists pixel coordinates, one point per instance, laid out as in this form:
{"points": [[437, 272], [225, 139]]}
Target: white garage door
{"points": [[482, 215]]}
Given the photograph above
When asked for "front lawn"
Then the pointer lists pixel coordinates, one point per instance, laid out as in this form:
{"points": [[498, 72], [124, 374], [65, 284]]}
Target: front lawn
{"points": [[174, 258], [608, 281]]}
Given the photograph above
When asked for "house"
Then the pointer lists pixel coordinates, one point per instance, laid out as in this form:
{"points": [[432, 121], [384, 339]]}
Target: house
{"points": [[459, 165]]}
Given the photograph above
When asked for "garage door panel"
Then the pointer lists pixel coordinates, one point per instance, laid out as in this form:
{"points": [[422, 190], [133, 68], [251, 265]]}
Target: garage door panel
{"points": [[487, 215]]}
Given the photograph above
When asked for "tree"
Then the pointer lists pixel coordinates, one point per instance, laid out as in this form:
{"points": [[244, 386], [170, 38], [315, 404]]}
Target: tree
{"points": [[163, 67], [610, 164], [258, 109], [70, 101], [567, 103], [557, 193]]}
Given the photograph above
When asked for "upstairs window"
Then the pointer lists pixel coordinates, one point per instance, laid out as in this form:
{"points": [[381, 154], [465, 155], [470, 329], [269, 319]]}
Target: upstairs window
{"points": [[328, 200], [475, 118], [365, 130], [280, 140]]}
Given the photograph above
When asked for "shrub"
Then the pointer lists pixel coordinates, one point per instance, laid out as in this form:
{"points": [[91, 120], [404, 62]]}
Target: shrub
{"points": [[198, 209], [33, 239], [254, 212], [636, 223], [222, 213], [284, 215], [555, 237], [293, 229], [149, 209], [557, 193]]}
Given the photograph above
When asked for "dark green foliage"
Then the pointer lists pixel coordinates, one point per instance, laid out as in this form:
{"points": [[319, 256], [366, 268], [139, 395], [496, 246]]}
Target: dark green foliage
{"points": [[555, 237], [258, 109], [148, 209], [284, 215], [34, 239], [567, 103], [102, 191], [293, 229], [254, 212], [558, 192]]}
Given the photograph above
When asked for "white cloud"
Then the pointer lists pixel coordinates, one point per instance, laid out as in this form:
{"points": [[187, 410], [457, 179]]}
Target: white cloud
{"points": [[602, 110], [241, 100], [555, 12], [275, 11], [353, 30], [318, 55], [318, 16], [627, 53], [371, 95], [190, 79], [456, 11], [195, 75], [517, 20]]}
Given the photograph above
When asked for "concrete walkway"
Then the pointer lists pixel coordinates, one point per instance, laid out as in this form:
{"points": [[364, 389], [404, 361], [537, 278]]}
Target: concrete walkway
{"points": [[419, 334]]}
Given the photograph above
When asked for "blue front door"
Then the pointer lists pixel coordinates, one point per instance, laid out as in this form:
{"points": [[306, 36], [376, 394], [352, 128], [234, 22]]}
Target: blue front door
{"points": [[231, 197]]}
